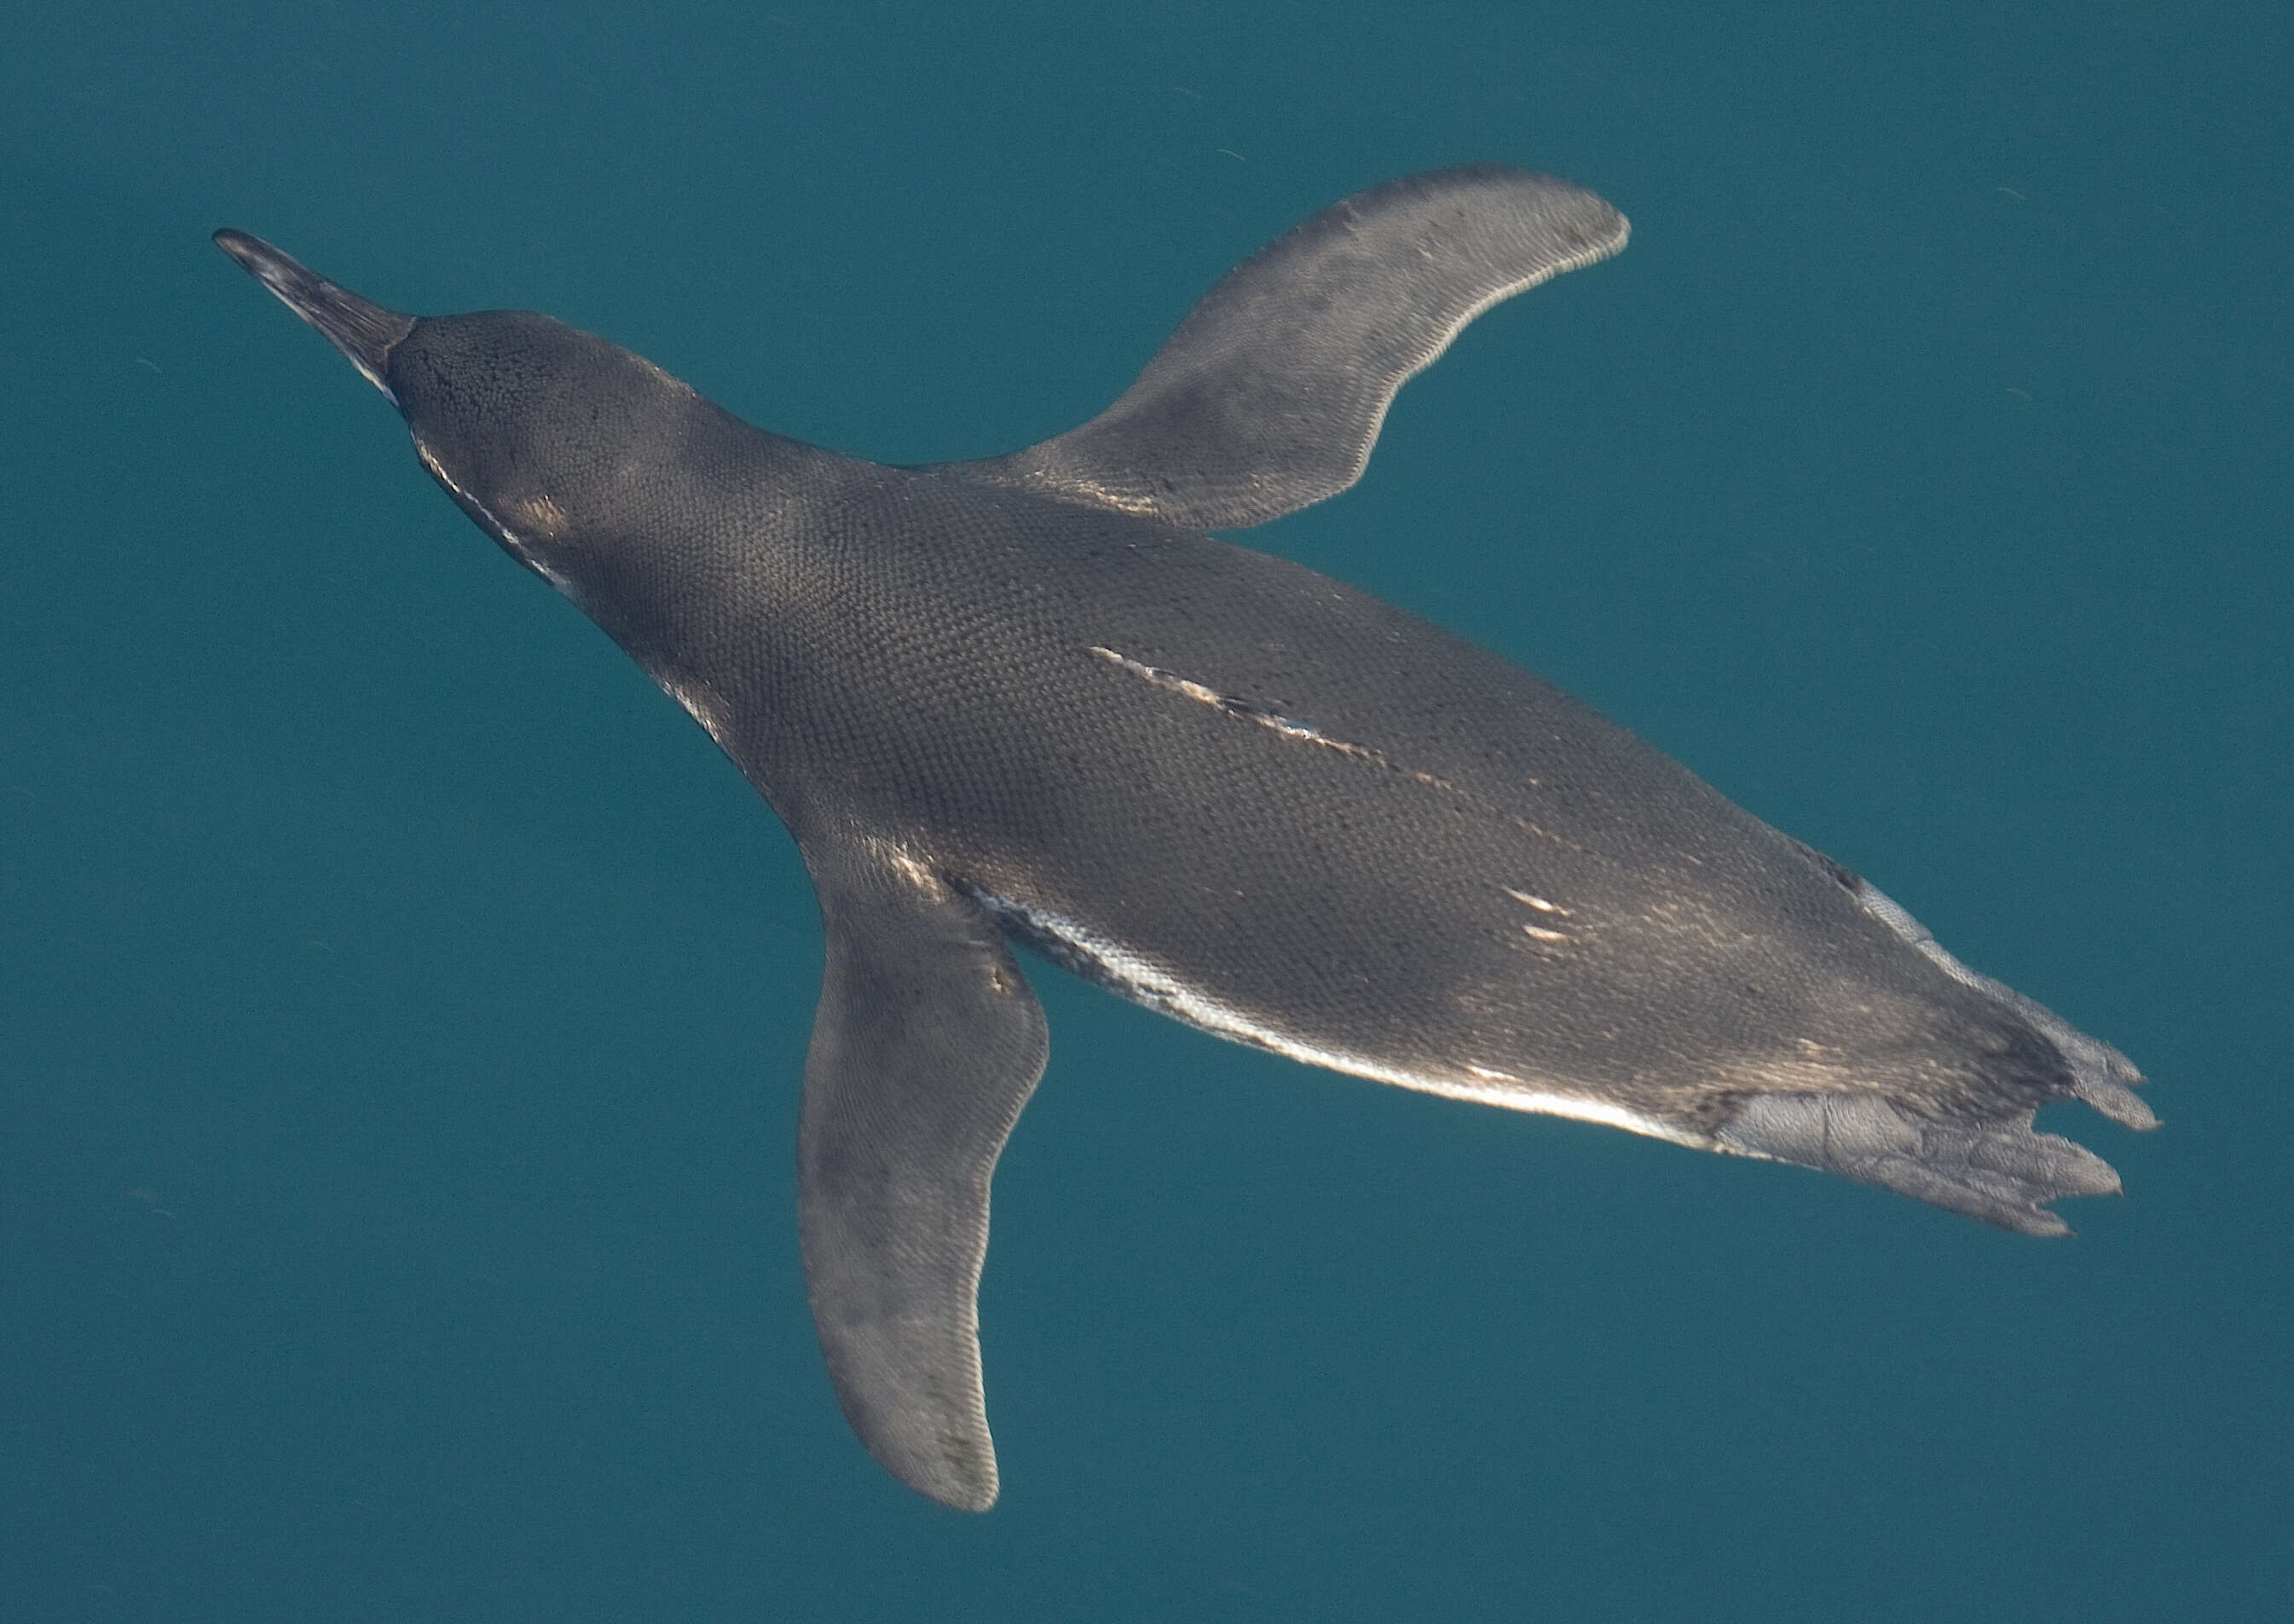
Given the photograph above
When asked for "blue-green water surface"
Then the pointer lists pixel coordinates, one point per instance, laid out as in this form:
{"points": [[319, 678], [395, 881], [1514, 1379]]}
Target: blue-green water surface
{"points": [[402, 1003]]}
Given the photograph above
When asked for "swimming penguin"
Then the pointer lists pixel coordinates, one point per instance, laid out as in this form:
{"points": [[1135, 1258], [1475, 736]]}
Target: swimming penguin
{"points": [[1030, 700]]}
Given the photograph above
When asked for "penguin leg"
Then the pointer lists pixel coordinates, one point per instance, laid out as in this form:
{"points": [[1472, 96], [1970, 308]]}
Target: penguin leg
{"points": [[1987, 1163], [1995, 1169], [927, 1043]]}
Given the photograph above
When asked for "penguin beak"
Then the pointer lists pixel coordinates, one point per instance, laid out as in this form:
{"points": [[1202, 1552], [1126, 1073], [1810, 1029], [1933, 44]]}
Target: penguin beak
{"points": [[361, 330]]}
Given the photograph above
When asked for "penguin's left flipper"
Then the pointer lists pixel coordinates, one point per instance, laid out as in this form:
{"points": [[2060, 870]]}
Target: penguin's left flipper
{"points": [[927, 1043], [1270, 395]]}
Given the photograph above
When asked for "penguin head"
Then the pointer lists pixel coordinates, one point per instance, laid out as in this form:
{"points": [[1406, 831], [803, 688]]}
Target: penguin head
{"points": [[543, 434], [549, 437]]}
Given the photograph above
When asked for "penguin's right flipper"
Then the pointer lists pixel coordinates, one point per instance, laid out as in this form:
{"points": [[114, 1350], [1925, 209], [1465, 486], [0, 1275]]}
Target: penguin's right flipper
{"points": [[927, 1043], [1270, 395]]}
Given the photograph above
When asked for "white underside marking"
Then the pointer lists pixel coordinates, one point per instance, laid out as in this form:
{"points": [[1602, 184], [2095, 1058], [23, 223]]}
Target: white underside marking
{"points": [[515, 542], [1143, 981], [701, 703]]}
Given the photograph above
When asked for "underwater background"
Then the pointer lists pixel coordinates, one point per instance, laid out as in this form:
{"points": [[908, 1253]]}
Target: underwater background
{"points": [[402, 1004]]}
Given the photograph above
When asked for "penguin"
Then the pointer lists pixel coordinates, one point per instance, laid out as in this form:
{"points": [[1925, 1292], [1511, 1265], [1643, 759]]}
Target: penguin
{"points": [[1031, 700]]}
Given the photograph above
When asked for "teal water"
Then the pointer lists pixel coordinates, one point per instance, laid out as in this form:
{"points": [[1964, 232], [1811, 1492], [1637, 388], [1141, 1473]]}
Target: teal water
{"points": [[401, 1004]]}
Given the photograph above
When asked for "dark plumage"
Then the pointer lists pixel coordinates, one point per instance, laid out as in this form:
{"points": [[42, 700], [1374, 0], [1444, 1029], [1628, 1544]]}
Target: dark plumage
{"points": [[1030, 698]]}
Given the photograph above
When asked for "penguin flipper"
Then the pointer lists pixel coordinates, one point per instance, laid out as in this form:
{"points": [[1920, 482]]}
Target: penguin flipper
{"points": [[927, 1046], [1269, 396]]}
